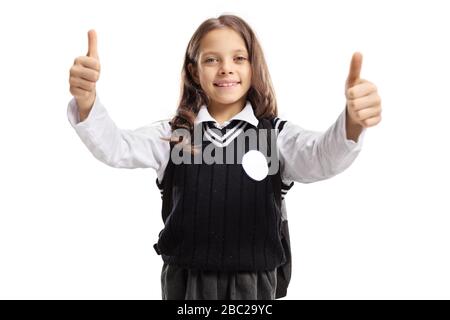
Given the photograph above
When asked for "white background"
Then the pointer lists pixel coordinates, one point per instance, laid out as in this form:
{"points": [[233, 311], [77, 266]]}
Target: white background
{"points": [[73, 228]]}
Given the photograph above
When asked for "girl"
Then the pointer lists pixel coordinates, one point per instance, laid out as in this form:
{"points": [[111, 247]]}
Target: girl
{"points": [[225, 232]]}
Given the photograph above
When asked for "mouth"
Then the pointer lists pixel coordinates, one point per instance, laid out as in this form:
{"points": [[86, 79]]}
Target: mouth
{"points": [[227, 84]]}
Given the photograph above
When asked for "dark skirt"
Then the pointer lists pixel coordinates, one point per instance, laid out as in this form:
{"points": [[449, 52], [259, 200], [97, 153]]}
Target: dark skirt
{"points": [[186, 284]]}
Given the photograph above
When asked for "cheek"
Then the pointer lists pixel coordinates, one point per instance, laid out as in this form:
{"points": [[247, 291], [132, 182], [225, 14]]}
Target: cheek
{"points": [[248, 79], [248, 76], [206, 78]]}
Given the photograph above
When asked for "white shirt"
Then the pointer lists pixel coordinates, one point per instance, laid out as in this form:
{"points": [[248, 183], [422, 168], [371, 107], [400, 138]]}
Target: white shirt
{"points": [[305, 156]]}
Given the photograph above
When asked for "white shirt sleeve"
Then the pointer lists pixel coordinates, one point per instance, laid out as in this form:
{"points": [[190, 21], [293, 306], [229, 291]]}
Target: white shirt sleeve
{"points": [[308, 156], [121, 148]]}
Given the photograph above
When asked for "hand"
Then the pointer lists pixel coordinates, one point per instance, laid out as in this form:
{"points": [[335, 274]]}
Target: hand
{"points": [[363, 101], [84, 74]]}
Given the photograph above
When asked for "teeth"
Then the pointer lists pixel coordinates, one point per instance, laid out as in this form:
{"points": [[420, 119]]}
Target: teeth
{"points": [[227, 84]]}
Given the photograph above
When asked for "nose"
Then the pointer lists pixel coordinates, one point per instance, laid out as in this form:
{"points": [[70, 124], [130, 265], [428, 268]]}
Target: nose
{"points": [[226, 68]]}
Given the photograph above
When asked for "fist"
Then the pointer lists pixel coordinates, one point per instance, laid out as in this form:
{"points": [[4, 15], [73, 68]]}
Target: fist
{"points": [[84, 74], [363, 101]]}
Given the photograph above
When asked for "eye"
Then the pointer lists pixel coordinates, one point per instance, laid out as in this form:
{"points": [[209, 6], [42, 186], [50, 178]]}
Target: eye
{"points": [[208, 60], [241, 58]]}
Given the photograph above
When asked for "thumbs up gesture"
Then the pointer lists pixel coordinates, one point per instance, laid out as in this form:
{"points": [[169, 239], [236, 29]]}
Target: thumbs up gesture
{"points": [[363, 101], [84, 73]]}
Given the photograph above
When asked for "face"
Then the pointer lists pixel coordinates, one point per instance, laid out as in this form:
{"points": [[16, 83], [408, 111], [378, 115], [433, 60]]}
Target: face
{"points": [[224, 70]]}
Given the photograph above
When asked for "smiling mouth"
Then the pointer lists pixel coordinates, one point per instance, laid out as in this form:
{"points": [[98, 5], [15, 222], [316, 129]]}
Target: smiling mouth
{"points": [[227, 85]]}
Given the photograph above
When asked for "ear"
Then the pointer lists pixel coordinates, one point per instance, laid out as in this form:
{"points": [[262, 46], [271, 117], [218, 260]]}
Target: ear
{"points": [[193, 72]]}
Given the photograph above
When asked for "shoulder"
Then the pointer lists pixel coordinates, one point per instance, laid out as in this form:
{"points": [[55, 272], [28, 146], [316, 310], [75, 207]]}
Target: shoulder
{"points": [[278, 123]]}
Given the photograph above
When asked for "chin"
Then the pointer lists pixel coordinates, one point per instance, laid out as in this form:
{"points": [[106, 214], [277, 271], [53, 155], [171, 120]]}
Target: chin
{"points": [[228, 99]]}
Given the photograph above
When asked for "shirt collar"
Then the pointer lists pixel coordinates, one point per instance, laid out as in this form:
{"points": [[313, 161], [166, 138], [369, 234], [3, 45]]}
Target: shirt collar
{"points": [[245, 114]]}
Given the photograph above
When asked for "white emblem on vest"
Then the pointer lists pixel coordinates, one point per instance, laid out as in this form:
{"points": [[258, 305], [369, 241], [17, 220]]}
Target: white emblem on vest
{"points": [[255, 165]]}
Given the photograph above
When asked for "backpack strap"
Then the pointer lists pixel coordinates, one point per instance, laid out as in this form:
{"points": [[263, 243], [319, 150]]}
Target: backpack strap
{"points": [[276, 178], [166, 193], [284, 271]]}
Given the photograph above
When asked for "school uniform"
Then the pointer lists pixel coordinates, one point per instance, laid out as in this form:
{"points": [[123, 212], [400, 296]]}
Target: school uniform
{"points": [[225, 234]]}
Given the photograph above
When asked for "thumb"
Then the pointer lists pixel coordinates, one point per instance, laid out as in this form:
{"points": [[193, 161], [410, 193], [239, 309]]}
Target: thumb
{"points": [[92, 44], [355, 69]]}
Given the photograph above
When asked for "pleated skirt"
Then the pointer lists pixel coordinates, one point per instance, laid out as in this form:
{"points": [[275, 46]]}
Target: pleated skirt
{"points": [[179, 283]]}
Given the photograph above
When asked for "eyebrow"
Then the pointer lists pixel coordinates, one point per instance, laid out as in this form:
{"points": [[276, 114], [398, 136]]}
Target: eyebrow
{"points": [[214, 52]]}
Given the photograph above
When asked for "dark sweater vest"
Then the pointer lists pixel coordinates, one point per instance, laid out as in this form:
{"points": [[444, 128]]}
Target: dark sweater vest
{"points": [[218, 218]]}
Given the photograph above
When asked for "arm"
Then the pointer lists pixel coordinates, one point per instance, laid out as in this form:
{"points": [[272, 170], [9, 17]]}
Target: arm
{"points": [[121, 148], [308, 156]]}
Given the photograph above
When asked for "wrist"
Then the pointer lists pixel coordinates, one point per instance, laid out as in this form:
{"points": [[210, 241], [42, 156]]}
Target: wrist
{"points": [[353, 129]]}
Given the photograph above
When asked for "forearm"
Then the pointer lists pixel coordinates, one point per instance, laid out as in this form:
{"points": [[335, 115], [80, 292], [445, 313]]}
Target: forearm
{"points": [[121, 148], [310, 156]]}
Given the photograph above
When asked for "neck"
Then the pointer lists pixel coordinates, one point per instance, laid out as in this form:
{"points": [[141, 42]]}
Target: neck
{"points": [[224, 112]]}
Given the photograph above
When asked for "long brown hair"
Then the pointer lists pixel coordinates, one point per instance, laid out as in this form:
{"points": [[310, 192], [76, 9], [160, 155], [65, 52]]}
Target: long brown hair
{"points": [[261, 94]]}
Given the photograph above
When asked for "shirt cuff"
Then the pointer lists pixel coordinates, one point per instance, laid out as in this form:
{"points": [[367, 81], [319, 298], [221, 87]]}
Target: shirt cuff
{"points": [[73, 114], [349, 143]]}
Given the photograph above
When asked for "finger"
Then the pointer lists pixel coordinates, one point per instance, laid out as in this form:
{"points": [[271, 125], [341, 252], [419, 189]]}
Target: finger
{"points": [[84, 73], [82, 84], [88, 62], [78, 92], [368, 113], [361, 90], [355, 69], [364, 102], [92, 44], [372, 121]]}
